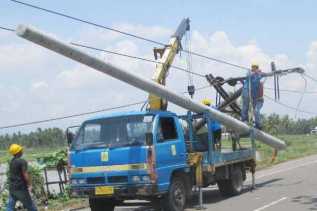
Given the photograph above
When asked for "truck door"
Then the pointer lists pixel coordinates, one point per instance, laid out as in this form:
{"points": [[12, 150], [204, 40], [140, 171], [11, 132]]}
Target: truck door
{"points": [[170, 148]]}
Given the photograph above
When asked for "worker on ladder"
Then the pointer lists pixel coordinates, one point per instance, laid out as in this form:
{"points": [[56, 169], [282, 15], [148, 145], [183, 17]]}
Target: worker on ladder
{"points": [[253, 94]]}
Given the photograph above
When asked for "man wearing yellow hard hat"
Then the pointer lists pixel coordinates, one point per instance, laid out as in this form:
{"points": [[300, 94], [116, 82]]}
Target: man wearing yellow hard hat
{"points": [[253, 90], [19, 180], [215, 125]]}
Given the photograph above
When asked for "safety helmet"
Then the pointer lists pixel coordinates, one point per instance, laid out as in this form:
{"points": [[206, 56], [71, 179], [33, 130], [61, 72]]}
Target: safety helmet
{"points": [[206, 102], [15, 149], [254, 65]]}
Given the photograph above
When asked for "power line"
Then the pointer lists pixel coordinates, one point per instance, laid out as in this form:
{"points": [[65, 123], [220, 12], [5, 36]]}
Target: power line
{"points": [[88, 22], [289, 107], [125, 55], [7, 29], [135, 57], [70, 116], [172, 66], [310, 77], [216, 60], [157, 62], [83, 114], [126, 33], [292, 91]]}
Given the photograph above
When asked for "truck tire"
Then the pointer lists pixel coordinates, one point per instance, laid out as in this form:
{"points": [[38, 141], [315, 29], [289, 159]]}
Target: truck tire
{"points": [[175, 199], [232, 186], [100, 204]]}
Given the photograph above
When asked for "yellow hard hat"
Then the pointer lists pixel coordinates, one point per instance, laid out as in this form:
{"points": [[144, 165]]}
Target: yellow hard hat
{"points": [[15, 149], [254, 65], [206, 102]]}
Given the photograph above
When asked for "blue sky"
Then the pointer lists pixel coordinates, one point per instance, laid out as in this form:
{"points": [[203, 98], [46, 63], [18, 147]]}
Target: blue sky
{"points": [[37, 84], [278, 26]]}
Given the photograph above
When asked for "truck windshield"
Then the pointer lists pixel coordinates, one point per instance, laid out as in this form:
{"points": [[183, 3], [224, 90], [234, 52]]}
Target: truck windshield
{"points": [[113, 132]]}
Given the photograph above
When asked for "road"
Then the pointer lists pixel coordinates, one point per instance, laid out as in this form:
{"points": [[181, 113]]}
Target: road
{"points": [[290, 186]]}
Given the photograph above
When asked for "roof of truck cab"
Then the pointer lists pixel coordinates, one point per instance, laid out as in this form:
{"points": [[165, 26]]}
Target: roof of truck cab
{"points": [[128, 113]]}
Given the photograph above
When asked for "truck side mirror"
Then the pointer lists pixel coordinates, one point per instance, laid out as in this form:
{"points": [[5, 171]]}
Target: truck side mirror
{"points": [[149, 139], [69, 137]]}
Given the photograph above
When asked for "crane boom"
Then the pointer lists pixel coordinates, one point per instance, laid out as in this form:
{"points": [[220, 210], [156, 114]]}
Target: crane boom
{"points": [[67, 50], [167, 55]]}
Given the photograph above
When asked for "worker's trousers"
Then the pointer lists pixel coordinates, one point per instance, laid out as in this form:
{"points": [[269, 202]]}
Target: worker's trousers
{"points": [[257, 105], [24, 197]]}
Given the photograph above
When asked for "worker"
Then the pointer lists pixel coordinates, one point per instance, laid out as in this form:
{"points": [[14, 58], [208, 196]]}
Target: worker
{"points": [[253, 93], [215, 126], [20, 185]]}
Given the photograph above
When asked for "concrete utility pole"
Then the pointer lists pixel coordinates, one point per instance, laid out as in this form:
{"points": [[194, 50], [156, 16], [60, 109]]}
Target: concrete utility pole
{"points": [[69, 51]]}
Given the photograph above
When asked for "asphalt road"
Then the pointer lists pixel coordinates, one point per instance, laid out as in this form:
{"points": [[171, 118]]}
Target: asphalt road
{"points": [[290, 186]]}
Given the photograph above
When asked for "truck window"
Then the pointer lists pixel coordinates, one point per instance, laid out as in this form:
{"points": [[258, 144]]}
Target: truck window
{"points": [[114, 132], [89, 135], [167, 129]]}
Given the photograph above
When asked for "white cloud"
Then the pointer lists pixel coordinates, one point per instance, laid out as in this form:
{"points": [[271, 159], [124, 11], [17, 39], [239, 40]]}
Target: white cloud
{"points": [[39, 85], [48, 85]]}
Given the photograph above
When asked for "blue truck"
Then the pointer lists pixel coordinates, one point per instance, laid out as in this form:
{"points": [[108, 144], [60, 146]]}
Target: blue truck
{"points": [[152, 155], [155, 155]]}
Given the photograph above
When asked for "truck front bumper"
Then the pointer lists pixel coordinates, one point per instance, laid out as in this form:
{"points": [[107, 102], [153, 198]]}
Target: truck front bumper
{"points": [[135, 191]]}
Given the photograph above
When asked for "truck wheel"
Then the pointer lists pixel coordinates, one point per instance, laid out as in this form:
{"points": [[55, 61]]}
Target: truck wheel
{"points": [[99, 204], [233, 185], [175, 199]]}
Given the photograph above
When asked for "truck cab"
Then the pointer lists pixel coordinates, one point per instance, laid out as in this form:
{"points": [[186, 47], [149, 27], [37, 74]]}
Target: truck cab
{"points": [[144, 155], [109, 156]]}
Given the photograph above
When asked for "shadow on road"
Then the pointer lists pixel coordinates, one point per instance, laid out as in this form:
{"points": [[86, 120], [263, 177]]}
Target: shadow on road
{"points": [[273, 183], [306, 200], [211, 196], [267, 183]]}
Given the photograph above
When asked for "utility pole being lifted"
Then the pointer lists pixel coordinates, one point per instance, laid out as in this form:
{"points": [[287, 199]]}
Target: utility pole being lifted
{"points": [[65, 49]]}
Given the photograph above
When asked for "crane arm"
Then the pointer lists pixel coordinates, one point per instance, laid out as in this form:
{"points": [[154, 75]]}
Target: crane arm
{"points": [[167, 55]]}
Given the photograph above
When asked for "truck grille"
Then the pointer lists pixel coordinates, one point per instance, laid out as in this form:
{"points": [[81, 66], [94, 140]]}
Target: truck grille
{"points": [[118, 179], [96, 180]]}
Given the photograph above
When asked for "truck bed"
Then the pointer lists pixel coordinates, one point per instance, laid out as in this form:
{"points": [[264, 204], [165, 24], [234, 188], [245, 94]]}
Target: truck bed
{"points": [[226, 156]]}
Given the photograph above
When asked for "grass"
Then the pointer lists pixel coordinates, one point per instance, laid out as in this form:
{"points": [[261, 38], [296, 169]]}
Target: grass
{"points": [[297, 146], [61, 204], [29, 154]]}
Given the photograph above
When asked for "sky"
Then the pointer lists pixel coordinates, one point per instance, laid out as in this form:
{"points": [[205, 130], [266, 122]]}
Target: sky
{"points": [[37, 84]]}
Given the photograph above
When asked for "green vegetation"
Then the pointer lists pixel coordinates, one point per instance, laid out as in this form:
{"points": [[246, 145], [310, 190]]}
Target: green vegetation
{"points": [[47, 138], [60, 204], [276, 124], [30, 154], [58, 158], [297, 146]]}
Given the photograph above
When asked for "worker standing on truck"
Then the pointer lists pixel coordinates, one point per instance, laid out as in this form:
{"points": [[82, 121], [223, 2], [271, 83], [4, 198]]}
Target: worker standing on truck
{"points": [[253, 90], [19, 180], [215, 126]]}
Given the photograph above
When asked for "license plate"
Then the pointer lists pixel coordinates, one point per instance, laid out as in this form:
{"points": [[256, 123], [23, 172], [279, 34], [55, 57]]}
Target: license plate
{"points": [[104, 190]]}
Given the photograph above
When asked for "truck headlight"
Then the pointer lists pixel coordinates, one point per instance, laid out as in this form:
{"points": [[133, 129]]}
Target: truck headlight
{"points": [[81, 181], [136, 179], [78, 181], [146, 179]]}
